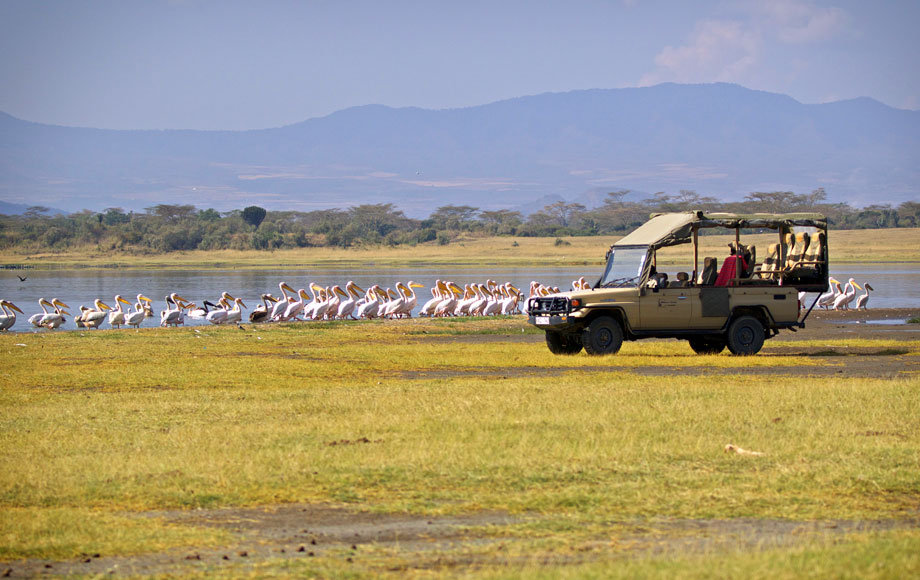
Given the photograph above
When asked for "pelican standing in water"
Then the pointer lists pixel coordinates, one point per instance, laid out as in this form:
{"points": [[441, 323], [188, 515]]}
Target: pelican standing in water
{"points": [[141, 311], [282, 303], [95, 317], [842, 302], [35, 319], [55, 319], [863, 299], [8, 318], [117, 316], [170, 316], [262, 313]]}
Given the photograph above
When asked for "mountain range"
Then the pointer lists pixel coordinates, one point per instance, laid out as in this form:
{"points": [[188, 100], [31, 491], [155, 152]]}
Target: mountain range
{"points": [[720, 140]]}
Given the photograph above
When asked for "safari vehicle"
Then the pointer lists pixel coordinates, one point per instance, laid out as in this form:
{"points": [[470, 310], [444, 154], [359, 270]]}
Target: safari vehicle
{"points": [[737, 306]]}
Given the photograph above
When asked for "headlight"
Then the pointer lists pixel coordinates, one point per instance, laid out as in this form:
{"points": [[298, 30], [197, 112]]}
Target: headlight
{"points": [[576, 303]]}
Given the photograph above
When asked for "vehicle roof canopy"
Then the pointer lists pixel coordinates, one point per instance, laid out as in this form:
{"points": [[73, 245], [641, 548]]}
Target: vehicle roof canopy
{"points": [[669, 229]]}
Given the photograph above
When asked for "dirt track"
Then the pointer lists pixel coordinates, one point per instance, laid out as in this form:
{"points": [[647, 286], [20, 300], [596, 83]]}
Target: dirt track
{"points": [[309, 531]]}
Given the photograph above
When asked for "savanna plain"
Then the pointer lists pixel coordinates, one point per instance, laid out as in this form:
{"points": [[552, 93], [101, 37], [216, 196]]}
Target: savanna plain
{"points": [[460, 448]]}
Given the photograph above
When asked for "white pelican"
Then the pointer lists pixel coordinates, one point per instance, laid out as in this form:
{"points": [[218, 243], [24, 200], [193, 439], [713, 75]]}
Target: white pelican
{"points": [[513, 298], [309, 310], [396, 306], [335, 295], [842, 302], [494, 304], [411, 298], [117, 315], [141, 309], [8, 318], [326, 299], [262, 312], [170, 316], [219, 315], [235, 314], [864, 298], [347, 307], [436, 296], [371, 303], [36, 319], [281, 303], [55, 319], [195, 312], [446, 306], [295, 307], [95, 317], [827, 299]]}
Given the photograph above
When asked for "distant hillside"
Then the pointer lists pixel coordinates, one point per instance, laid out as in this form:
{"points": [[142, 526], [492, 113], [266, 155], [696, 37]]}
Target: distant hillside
{"points": [[721, 140]]}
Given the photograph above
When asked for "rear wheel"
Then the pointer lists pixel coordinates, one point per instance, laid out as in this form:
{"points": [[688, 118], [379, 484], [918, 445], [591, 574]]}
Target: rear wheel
{"points": [[559, 343], [603, 335], [707, 344], [745, 336]]}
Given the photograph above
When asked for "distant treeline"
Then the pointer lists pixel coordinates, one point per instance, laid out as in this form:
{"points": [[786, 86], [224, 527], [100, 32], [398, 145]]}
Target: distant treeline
{"points": [[169, 228]]}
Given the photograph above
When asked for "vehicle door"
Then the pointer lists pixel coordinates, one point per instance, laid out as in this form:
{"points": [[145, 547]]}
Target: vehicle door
{"points": [[665, 308]]}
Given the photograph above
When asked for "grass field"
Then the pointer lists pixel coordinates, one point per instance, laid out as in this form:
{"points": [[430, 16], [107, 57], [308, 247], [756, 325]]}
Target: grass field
{"points": [[601, 465], [851, 246]]}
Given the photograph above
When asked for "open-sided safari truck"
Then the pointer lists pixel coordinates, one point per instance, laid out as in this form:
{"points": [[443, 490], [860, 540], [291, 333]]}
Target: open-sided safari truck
{"points": [[731, 301]]}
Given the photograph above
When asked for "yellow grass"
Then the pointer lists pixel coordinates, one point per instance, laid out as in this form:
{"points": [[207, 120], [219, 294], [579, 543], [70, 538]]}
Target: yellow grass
{"points": [[852, 246], [458, 416]]}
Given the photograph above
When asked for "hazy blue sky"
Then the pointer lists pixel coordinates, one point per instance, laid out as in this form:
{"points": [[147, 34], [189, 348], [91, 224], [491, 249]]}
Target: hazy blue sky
{"points": [[207, 64]]}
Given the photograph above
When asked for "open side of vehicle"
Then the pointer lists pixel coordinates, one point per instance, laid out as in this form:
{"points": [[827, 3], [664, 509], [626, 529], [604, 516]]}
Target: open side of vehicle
{"points": [[738, 305]]}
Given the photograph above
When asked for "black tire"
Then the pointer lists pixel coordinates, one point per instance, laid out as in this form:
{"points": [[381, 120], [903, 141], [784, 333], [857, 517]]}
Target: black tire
{"points": [[707, 344], [559, 343], [603, 335], [745, 336]]}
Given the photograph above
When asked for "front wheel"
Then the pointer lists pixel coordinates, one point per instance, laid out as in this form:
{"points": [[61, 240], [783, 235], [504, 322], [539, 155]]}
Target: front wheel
{"points": [[559, 343], [603, 335], [745, 336], [706, 345]]}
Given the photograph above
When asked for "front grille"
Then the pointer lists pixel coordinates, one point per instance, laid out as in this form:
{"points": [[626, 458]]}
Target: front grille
{"points": [[549, 305]]}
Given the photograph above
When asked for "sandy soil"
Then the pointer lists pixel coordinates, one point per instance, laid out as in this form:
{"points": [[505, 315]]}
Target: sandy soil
{"points": [[306, 531]]}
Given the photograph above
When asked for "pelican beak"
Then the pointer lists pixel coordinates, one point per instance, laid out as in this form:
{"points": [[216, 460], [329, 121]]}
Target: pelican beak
{"points": [[145, 299], [316, 287], [62, 312], [57, 302], [288, 288], [857, 286], [341, 292], [123, 301], [303, 294], [228, 296], [416, 285], [243, 304], [357, 288], [869, 287], [104, 306], [177, 297], [16, 308], [516, 291]]}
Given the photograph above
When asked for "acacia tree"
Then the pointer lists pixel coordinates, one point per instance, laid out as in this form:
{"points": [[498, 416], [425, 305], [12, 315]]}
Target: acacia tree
{"points": [[253, 215]]}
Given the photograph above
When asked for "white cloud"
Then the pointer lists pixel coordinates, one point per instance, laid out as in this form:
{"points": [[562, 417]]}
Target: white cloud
{"points": [[719, 50], [731, 49], [797, 22]]}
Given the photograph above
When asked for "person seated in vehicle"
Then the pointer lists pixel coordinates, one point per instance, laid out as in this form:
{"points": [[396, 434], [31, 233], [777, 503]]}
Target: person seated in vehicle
{"points": [[727, 273]]}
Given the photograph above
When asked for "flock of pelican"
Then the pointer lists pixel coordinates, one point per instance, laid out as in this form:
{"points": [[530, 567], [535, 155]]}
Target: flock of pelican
{"points": [[338, 302], [840, 298], [319, 303]]}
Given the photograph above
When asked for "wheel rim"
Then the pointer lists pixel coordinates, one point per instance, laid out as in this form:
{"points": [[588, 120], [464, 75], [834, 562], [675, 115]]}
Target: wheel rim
{"points": [[746, 335], [604, 337]]}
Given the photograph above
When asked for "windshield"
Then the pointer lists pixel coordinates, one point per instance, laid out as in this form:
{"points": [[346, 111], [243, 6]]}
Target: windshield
{"points": [[624, 267]]}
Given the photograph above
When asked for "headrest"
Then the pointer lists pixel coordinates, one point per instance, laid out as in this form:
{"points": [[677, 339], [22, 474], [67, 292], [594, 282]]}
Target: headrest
{"points": [[683, 276]]}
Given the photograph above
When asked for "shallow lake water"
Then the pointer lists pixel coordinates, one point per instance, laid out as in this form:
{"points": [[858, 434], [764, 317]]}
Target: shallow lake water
{"points": [[896, 285]]}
